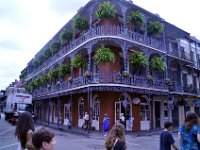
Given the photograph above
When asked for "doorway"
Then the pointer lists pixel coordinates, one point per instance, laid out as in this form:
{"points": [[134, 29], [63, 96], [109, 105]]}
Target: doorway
{"points": [[124, 106], [66, 114], [157, 114]]}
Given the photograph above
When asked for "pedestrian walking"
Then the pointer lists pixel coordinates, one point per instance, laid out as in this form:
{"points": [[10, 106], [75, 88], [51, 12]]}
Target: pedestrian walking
{"points": [[189, 132], [24, 130], [106, 124], [166, 139], [116, 138], [43, 139]]}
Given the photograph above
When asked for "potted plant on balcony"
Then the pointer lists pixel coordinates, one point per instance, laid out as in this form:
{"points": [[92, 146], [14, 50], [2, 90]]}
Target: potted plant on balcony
{"points": [[103, 55], [55, 46], [157, 64], [64, 70], [87, 74], [106, 13], [66, 36], [70, 79], [79, 62], [47, 53], [154, 28], [138, 59], [167, 81], [106, 10], [53, 74], [126, 74], [135, 19], [80, 23], [150, 79]]}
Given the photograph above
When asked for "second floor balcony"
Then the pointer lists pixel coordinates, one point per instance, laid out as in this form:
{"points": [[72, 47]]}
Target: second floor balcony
{"points": [[101, 79]]}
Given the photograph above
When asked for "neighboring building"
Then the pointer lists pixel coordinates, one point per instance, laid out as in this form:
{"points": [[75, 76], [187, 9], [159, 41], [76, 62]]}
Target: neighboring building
{"points": [[161, 86], [2, 100]]}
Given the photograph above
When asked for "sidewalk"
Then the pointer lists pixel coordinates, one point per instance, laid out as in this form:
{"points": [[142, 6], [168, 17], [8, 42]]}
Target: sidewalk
{"points": [[61, 129]]}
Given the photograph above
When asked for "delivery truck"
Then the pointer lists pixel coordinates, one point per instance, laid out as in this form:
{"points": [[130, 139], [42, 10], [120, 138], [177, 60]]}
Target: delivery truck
{"points": [[18, 101]]}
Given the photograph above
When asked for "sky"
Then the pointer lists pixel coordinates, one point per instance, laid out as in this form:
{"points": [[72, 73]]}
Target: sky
{"points": [[27, 25]]}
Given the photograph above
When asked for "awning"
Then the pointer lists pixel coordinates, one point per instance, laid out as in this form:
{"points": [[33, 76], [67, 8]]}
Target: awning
{"points": [[196, 102]]}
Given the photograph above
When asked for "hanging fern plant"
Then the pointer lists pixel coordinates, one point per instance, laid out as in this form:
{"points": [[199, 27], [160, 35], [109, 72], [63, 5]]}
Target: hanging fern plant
{"points": [[154, 27], [106, 10], [66, 35], [138, 59], [79, 62], [64, 69], [136, 19], [80, 23], [53, 74], [157, 64], [55, 46], [103, 55]]}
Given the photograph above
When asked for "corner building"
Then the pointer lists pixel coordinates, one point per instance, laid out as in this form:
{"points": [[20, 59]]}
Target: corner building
{"points": [[149, 95]]}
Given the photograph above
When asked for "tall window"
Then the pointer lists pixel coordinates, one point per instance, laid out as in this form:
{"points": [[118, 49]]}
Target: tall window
{"points": [[81, 108], [144, 113], [95, 114]]}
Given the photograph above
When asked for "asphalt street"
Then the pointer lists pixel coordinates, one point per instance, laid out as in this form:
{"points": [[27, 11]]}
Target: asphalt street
{"points": [[68, 141]]}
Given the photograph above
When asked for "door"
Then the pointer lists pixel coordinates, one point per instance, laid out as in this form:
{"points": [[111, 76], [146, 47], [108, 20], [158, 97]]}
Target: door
{"points": [[144, 116], [127, 111], [157, 114], [175, 117], [95, 114], [66, 114], [80, 112]]}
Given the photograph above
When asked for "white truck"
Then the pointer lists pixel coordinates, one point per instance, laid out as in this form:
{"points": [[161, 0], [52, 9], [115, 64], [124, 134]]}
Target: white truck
{"points": [[17, 102]]}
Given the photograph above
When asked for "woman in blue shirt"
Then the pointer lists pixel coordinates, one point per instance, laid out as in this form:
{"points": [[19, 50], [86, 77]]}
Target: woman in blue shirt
{"points": [[189, 133]]}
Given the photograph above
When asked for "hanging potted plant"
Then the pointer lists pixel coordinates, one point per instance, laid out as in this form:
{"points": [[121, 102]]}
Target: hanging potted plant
{"points": [[157, 64], [87, 74], [66, 36], [55, 46], [80, 23], [53, 74], [79, 62], [126, 74], [47, 53], [64, 70], [103, 55], [70, 79], [106, 13], [135, 19], [150, 79], [154, 28], [138, 59]]}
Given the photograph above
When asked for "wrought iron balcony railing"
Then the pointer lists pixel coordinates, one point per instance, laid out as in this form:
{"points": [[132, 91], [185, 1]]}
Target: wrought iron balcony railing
{"points": [[101, 78], [100, 32]]}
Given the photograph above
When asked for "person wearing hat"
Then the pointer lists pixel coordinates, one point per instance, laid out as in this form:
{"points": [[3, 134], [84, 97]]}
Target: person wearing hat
{"points": [[106, 124]]}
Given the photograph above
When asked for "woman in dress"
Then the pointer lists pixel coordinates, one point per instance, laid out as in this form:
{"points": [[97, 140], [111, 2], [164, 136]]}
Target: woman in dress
{"points": [[189, 132], [116, 138], [24, 130]]}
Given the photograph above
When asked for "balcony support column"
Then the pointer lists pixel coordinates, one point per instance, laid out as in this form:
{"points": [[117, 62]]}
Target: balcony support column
{"points": [[147, 65], [91, 15], [124, 9], [181, 76], [125, 50], [89, 59]]}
